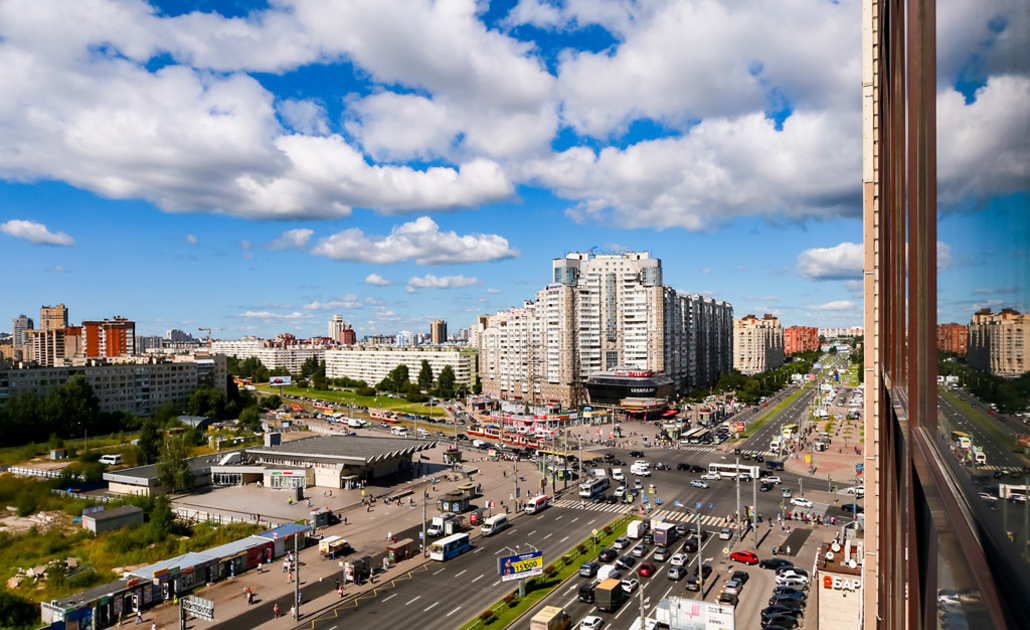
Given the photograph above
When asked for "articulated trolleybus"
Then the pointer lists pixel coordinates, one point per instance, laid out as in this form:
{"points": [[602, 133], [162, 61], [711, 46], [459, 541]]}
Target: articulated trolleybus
{"points": [[594, 486], [729, 471], [449, 547]]}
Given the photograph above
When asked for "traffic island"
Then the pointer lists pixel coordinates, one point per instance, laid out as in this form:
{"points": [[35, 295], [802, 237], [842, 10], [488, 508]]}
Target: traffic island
{"points": [[511, 607]]}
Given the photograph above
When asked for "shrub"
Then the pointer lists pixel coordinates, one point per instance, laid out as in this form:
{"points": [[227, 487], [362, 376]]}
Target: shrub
{"points": [[549, 570], [366, 391], [582, 549], [607, 529], [509, 599], [486, 615]]}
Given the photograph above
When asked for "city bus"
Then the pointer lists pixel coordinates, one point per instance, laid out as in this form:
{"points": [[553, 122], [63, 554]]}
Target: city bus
{"points": [[694, 436], [729, 471], [556, 456], [790, 430], [962, 438], [449, 547], [594, 486]]}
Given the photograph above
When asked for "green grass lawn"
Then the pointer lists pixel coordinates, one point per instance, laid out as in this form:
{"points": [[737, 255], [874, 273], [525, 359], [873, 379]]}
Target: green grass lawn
{"points": [[350, 398], [770, 414], [1007, 441]]}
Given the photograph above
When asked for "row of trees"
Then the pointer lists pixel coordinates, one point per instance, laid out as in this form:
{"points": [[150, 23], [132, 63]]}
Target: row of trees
{"points": [[70, 410], [750, 389], [1011, 395], [398, 381]]}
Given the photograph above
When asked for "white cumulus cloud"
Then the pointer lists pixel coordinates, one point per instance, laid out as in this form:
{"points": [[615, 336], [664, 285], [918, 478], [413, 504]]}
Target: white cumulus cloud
{"points": [[290, 239], [420, 240], [836, 305], [36, 233], [377, 280], [191, 239], [271, 317], [429, 281], [842, 262], [340, 302]]}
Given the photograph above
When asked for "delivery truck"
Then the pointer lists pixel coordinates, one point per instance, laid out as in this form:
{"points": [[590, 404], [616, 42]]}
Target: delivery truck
{"points": [[550, 618], [332, 546], [664, 534], [446, 524], [636, 529], [609, 595]]}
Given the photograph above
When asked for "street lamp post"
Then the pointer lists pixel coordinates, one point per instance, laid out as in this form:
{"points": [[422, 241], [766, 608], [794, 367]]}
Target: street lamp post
{"points": [[740, 533]]}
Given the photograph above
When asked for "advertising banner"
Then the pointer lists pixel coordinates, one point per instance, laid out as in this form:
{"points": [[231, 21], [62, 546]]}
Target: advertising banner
{"points": [[521, 566], [280, 381]]}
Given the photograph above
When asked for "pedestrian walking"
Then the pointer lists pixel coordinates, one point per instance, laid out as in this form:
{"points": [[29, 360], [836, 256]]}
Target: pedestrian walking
{"points": [[275, 611], [289, 577], [139, 617], [788, 550]]}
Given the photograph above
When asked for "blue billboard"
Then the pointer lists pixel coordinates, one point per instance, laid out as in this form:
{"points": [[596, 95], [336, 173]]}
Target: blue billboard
{"points": [[521, 566]]}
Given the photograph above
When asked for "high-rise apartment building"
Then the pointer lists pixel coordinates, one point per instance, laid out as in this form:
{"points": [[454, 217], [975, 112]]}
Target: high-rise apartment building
{"points": [[178, 336], [53, 317], [757, 344], [47, 347], [601, 312], [952, 338], [340, 331], [22, 324], [438, 331], [797, 339], [109, 337], [999, 342]]}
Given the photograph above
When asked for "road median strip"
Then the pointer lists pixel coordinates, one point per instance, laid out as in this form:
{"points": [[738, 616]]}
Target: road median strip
{"points": [[771, 413], [511, 608]]}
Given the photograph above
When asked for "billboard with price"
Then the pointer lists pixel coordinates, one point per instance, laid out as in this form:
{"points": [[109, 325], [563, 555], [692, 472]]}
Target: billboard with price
{"points": [[521, 566], [280, 381]]}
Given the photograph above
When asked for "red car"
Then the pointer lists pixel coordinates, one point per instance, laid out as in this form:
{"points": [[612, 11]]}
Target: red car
{"points": [[747, 557], [647, 569]]}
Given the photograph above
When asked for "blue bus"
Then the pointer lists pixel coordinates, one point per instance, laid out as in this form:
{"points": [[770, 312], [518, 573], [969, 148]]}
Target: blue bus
{"points": [[449, 547]]}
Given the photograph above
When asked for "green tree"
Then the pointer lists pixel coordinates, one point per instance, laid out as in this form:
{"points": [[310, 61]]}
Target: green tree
{"points": [[309, 367], [251, 418], [445, 383], [425, 376], [272, 402], [477, 387], [398, 377], [206, 401], [173, 468], [16, 611], [73, 406], [149, 446]]}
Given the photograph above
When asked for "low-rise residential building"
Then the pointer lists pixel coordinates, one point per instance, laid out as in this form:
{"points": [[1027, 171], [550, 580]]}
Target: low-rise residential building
{"points": [[372, 363]]}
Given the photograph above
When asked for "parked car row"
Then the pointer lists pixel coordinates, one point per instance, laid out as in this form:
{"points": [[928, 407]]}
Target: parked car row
{"points": [[787, 604]]}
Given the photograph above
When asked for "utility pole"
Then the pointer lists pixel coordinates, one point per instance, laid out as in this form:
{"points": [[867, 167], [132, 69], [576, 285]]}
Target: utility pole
{"points": [[565, 456], [700, 566], [581, 457], [425, 547], [740, 532], [296, 577], [515, 459], [641, 591], [754, 518]]}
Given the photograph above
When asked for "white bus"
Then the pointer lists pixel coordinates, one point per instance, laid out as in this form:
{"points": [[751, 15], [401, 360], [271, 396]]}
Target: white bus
{"points": [[447, 548], [729, 471], [595, 486], [692, 436]]}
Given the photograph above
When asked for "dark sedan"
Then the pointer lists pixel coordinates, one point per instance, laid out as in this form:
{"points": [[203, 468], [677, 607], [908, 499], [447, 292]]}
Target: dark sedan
{"points": [[774, 563], [607, 555]]}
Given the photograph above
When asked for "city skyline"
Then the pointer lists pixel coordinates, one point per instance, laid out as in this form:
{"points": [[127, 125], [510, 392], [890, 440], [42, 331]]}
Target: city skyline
{"points": [[457, 181]]}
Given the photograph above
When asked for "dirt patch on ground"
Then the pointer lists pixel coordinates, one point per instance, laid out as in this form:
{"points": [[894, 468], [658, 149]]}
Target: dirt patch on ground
{"points": [[44, 521]]}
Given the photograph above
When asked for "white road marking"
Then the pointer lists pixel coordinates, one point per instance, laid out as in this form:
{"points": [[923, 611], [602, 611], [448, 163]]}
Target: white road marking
{"points": [[453, 611], [498, 551], [497, 582], [478, 578], [435, 572], [390, 597], [573, 520], [548, 536], [463, 571], [478, 549], [532, 532], [433, 606], [564, 539], [557, 517], [413, 601]]}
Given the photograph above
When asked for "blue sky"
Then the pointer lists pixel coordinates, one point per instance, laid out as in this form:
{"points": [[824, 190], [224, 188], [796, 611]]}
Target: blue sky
{"points": [[257, 167]]}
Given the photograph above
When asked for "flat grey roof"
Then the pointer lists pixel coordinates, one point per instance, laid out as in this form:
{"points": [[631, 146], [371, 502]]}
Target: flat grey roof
{"points": [[113, 513], [345, 447]]}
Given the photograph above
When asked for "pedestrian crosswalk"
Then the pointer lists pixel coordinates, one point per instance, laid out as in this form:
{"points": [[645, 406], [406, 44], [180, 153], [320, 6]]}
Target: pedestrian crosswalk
{"points": [[662, 515]]}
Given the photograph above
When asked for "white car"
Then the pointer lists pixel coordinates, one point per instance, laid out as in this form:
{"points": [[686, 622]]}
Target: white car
{"points": [[630, 584], [641, 463], [988, 497], [641, 472], [725, 534], [591, 623], [697, 483], [621, 490], [791, 580], [859, 490], [679, 559], [802, 502], [772, 479], [711, 476]]}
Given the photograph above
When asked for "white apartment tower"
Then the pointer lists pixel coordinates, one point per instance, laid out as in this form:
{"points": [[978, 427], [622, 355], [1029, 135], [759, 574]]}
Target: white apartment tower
{"points": [[757, 344], [336, 327], [601, 311]]}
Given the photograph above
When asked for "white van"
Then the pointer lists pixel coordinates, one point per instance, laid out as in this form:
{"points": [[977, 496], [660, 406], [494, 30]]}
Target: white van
{"points": [[774, 446], [617, 475], [112, 460], [355, 423], [494, 524], [537, 504], [605, 572], [402, 431], [641, 471]]}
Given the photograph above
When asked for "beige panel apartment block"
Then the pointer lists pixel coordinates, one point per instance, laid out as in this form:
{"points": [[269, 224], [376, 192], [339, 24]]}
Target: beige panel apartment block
{"points": [[758, 344]]}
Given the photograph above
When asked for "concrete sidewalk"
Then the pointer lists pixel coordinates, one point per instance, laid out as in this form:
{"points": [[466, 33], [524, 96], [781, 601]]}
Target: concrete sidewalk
{"points": [[367, 534]]}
